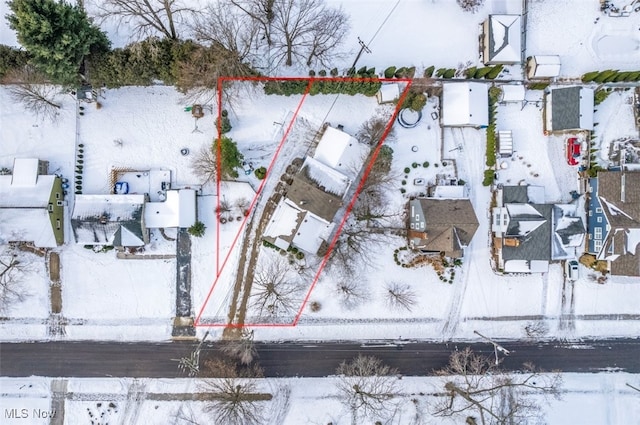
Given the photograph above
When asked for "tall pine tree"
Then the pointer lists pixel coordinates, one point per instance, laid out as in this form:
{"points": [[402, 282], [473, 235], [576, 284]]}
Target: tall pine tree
{"points": [[57, 35]]}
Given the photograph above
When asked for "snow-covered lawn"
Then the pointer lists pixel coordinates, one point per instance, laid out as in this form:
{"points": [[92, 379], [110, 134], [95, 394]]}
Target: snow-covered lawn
{"points": [[589, 399], [584, 38]]}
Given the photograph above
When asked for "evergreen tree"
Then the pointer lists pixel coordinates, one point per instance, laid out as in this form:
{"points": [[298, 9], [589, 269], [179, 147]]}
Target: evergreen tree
{"points": [[57, 35]]}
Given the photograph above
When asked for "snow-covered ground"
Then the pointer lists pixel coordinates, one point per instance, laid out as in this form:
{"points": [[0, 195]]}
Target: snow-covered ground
{"points": [[589, 399]]}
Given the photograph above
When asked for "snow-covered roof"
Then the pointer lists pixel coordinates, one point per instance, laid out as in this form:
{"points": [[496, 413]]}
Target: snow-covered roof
{"points": [[340, 151], [178, 210], [311, 232], [388, 92], [522, 210], [331, 180], [25, 172], [571, 108], [503, 40], [465, 104], [25, 188], [450, 192], [27, 224], [284, 221], [290, 225], [512, 93], [109, 220], [544, 66]]}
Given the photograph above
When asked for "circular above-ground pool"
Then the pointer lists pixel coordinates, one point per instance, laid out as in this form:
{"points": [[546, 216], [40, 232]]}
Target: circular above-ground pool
{"points": [[408, 118]]}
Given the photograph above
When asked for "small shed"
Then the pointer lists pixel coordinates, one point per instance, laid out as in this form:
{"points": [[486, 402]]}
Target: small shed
{"points": [[465, 104], [543, 66], [388, 93], [505, 143], [512, 93]]}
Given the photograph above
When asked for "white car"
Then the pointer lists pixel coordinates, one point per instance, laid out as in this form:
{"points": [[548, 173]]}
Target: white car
{"points": [[571, 270]]}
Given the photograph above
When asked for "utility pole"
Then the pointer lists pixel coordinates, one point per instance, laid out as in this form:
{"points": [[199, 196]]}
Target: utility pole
{"points": [[496, 347], [363, 48]]}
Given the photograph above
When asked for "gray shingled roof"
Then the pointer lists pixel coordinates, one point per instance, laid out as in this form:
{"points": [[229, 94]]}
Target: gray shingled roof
{"points": [[619, 194], [536, 245], [305, 193], [514, 195], [450, 224], [565, 108]]}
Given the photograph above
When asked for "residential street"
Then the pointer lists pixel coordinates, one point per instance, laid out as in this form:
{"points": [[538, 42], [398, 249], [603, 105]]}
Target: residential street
{"points": [[155, 360]]}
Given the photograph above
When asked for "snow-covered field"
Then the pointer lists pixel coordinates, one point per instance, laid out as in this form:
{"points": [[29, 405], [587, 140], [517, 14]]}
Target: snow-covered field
{"points": [[589, 399]]}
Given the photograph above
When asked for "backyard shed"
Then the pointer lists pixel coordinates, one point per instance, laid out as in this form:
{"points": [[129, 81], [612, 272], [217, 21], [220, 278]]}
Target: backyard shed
{"points": [[543, 66], [388, 93], [505, 143], [512, 93]]}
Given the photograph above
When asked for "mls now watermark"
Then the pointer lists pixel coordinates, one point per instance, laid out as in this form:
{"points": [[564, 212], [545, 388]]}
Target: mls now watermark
{"points": [[29, 413]]}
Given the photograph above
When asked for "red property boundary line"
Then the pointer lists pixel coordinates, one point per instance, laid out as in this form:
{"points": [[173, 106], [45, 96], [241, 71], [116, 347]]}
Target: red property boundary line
{"points": [[374, 155]]}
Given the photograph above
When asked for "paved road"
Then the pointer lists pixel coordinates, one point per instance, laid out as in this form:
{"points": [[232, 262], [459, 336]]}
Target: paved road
{"points": [[100, 359]]}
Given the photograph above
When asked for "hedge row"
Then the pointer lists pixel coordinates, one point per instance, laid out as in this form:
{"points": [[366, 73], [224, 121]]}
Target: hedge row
{"points": [[402, 72], [611, 76], [494, 93], [367, 86]]}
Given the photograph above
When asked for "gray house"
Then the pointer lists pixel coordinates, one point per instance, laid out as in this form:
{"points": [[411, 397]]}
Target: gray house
{"points": [[441, 225], [528, 233], [116, 220], [569, 109]]}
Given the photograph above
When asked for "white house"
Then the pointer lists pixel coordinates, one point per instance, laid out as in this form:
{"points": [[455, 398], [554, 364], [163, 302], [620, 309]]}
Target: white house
{"points": [[465, 104], [340, 151], [502, 40], [31, 205], [177, 210]]}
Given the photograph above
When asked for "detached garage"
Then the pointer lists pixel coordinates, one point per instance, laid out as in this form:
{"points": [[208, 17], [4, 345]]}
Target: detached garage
{"points": [[465, 104]]}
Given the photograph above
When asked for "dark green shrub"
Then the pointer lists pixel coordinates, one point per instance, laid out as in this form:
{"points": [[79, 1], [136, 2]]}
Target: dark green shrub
{"points": [[390, 72], [470, 72], [312, 73], [407, 170], [589, 76], [403, 182], [428, 73], [260, 173], [449, 73], [197, 229], [414, 165], [440, 72], [600, 96], [403, 190], [425, 164], [322, 73], [299, 255], [334, 72], [480, 73], [488, 177], [494, 72]]}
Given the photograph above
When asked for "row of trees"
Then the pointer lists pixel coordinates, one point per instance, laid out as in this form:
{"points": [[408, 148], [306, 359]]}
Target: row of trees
{"points": [[358, 85], [474, 389], [223, 38], [611, 76]]}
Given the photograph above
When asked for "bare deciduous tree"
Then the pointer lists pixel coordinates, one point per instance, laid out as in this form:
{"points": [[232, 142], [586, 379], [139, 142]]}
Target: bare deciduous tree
{"points": [[400, 296], [242, 349], [369, 388], [224, 367], [29, 87], [470, 5], [12, 270], [354, 247], [372, 131], [352, 290], [476, 385], [236, 402], [276, 289], [260, 11], [148, 17], [224, 25], [302, 31], [205, 164], [306, 30]]}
